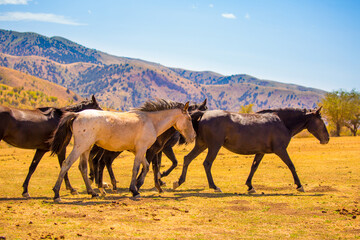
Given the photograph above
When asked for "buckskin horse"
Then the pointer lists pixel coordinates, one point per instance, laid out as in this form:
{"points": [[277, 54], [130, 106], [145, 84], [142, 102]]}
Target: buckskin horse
{"points": [[134, 131], [31, 129], [267, 131], [99, 158]]}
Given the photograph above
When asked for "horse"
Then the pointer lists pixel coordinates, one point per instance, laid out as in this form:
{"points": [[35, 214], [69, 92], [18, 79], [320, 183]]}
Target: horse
{"points": [[134, 131], [267, 131], [31, 129], [99, 158]]}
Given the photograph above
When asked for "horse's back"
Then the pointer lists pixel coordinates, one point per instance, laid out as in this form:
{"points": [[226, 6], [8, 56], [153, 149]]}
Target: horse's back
{"points": [[113, 131], [243, 133]]}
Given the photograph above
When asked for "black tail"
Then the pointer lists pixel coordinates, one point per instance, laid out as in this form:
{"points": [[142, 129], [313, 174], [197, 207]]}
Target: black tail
{"points": [[63, 133]]}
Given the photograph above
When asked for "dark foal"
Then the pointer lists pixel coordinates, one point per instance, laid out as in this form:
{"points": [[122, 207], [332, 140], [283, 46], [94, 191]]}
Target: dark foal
{"points": [[164, 143], [268, 131], [31, 129]]}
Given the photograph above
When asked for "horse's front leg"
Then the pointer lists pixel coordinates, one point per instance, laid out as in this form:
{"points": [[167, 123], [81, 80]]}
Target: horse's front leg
{"points": [[139, 159], [37, 157], [283, 154], [168, 151], [83, 169]]}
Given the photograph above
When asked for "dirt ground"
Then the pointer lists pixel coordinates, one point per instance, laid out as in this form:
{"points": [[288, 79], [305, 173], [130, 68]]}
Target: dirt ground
{"points": [[328, 209]]}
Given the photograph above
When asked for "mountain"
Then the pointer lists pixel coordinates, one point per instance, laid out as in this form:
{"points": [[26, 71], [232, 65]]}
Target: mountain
{"points": [[25, 91], [121, 83]]}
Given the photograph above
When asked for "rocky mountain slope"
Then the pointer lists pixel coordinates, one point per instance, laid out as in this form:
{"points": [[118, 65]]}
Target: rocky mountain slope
{"points": [[121, 83]]}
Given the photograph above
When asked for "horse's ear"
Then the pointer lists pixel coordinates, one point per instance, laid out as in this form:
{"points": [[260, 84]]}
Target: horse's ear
{"points": [[318, 110], [186, 107], [203, 105], [93, 98]]}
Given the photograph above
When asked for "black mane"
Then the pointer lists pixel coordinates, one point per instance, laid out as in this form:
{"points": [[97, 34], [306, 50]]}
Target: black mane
{"points": [[285, 111], [159, 105], [79, 106]]}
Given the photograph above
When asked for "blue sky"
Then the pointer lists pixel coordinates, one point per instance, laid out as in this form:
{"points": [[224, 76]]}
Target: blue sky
{"points": [[314, 43]]}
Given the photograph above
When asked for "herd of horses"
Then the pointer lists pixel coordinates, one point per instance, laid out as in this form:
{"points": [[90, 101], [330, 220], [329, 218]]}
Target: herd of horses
{"points": [[148, 131]]}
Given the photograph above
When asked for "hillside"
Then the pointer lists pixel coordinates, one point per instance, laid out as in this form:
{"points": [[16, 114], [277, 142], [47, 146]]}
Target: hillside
{"points": [[121, 83], [22, 90]]}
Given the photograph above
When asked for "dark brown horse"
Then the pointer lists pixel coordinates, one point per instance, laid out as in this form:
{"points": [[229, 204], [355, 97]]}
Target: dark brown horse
{"points": [[164, 143], [268, 131], [31, 129]]}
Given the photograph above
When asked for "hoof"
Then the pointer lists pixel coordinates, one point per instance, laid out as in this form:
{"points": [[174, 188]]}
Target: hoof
{"points": [[26, 195], [106, 185], [176, 185], [102, 191], [57, 200], [217, 190], [251, 191], [74, 192], [137, 196], [300, 189], [94, 195]]}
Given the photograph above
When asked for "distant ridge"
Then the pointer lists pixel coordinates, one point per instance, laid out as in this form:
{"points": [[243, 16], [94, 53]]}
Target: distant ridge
{"points": [[31, 91], [121, 82]]}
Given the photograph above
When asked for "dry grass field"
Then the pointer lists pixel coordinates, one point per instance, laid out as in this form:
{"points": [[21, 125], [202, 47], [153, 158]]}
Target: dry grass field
{"points": [[329, 209]]}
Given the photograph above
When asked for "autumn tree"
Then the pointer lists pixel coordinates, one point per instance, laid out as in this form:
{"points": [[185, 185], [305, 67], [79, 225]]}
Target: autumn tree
{"points": [[353, 123], [342, 109], [247, 109]]}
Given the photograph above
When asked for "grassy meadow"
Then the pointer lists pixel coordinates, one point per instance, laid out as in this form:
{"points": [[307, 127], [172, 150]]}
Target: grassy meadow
{"points": [[327, 210]]}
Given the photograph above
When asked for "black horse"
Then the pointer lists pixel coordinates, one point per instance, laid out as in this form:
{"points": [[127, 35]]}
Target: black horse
{"points": [[31, 129], [164, 143], [268, 131]]}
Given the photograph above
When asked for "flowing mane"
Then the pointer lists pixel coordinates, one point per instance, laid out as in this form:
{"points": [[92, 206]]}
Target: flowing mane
{"points": [[285, 110], [159, 105], [76, 107]]}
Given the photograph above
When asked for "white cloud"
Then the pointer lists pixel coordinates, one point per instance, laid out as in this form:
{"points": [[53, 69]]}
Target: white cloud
{"points": [[247, 16], [211, 5], [14, 2], [40, 17], [228, 15]]}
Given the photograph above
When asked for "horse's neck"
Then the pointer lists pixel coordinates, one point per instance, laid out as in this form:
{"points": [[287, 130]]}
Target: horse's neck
{"points": [[295, 123], [163, 120]]}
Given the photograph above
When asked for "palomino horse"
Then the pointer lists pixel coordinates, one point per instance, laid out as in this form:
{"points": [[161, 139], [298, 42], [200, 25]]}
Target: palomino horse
{"points": [[99, 158], [267, 131], [31, 129], [134, 131]]}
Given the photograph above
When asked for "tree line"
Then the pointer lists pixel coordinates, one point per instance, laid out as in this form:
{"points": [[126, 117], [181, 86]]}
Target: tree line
{"points": [[342, 109]]}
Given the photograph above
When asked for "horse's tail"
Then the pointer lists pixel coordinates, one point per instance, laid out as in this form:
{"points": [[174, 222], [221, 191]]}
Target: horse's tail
{"points": [[63, 133]]}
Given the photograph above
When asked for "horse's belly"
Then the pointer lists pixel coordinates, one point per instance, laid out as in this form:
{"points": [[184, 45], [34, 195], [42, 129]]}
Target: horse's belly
{"points": [[248, 147]]}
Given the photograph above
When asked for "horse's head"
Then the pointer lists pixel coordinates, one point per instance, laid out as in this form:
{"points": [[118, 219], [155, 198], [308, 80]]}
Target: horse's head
{"points": [[90, 104], [184, 125], [200, 107], [316, 126]]}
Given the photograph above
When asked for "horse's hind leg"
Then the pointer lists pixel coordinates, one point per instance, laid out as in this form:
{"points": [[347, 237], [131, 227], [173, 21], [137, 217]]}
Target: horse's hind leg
{"points": [[168, 151], [254, 166], [61, 158], [108, 162], [199, 148], [209, 160], [37, 157], [139, 159], [94, 157], [83, 169], [282, 153]]}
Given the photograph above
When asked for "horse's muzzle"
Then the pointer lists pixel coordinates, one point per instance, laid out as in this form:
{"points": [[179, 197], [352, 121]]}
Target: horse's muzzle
{"points": [[325, 141]]}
